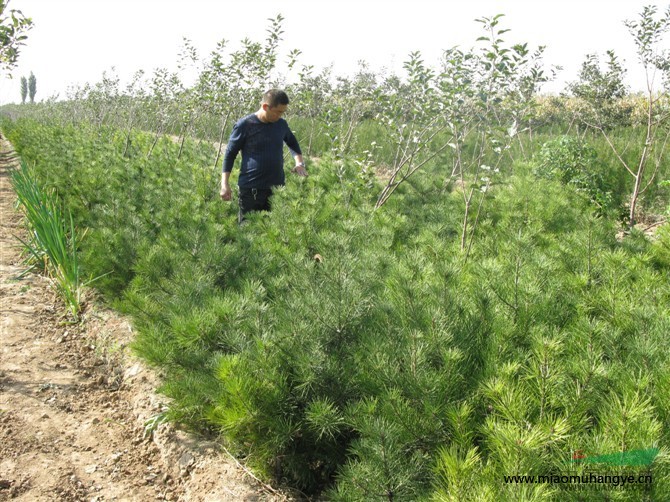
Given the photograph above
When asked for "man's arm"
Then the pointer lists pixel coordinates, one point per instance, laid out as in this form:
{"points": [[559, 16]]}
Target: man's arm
{"points": [[293, 145], [226, 192], [234, 146]]}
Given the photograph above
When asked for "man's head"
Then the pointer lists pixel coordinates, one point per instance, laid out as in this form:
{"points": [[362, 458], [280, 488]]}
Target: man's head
{"points": [[275, 97], [274, 105]]}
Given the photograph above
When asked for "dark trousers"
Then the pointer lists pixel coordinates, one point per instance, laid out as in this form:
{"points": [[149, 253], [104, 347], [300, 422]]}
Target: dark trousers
{"points": [[253, 199]]}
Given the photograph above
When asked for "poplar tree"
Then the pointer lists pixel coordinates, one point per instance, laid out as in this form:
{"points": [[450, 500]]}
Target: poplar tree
{"points": [[24, 90], [32, 87]]}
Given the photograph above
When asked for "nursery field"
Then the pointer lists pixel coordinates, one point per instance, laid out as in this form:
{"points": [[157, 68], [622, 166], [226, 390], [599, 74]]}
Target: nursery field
{"points": [[467, 299], [341, 348]]}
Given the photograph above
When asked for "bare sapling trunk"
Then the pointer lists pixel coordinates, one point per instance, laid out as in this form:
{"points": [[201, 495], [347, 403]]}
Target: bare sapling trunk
{"points": [[467, 197], [639, 172], [222, 132], [312, 130], [348, 136], [405, 156], [187, 126], [643, 160], [131, 121], [464, 233], [158, 135]]}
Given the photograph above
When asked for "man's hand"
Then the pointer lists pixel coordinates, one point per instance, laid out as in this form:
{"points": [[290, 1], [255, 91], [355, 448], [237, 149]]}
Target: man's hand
{"points": [[226, 192], [300, 170]]}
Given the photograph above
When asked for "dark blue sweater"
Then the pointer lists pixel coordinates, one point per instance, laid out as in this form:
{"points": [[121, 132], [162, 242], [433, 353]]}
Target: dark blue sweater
{"points": [[262, 147]]}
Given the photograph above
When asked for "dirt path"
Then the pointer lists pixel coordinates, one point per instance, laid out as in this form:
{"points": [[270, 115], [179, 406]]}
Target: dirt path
{"points": [[73, 403]]}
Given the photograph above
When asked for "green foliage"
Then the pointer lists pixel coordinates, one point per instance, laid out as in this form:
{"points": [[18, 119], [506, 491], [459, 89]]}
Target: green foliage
{"points": [[344, 351], [602, 91], [32, 87], [648, 33], [602, 95], [574, 162], [53, 243], [362, 354], [13, 28], [466, 114], [24, 90], [661, 249]]}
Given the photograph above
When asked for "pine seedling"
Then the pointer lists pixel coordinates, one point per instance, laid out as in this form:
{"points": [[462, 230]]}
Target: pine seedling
{"points": [[544, 372], [520, 449], [505, 398], [587, 372], [459, 475], [153, 343], [660, 390], [324, 419], [460, 421], [629, 421], [382, 467]]}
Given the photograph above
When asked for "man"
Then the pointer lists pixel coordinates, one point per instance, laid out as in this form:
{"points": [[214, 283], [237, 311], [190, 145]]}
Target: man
{"points": [[261, 137]]}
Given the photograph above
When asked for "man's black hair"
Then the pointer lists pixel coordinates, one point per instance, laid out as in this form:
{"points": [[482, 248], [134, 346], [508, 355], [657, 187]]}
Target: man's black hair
{"points": [[275, 97]]}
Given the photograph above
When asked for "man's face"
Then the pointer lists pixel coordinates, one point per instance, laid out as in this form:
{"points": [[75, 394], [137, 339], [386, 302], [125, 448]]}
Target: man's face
{"points": [[274, 113]]}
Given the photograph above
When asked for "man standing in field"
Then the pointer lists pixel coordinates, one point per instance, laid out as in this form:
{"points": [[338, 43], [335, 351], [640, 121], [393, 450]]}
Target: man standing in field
{"points": [[261, 137]]}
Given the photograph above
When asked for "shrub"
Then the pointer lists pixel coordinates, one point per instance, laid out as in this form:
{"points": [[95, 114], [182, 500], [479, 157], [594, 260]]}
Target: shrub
{"points": [[574, 162]]}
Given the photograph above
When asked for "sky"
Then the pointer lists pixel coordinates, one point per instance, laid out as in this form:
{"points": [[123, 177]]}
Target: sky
{"points": [[75, 41]]}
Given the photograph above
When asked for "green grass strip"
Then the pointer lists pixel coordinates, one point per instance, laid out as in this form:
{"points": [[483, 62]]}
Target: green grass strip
{"points": [[53, 243]]}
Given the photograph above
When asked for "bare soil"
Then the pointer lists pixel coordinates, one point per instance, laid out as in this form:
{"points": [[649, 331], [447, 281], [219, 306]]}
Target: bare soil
{"points": [[74, 402]]}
